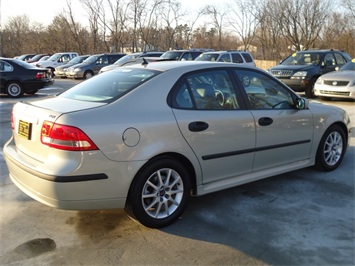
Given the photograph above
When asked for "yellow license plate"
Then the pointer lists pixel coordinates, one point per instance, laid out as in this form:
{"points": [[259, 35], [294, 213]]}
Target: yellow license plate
{"points": [[24, 129]]}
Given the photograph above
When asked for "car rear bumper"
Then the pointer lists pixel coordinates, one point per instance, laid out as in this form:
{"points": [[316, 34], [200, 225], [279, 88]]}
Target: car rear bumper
{"points": [[72, 192]]}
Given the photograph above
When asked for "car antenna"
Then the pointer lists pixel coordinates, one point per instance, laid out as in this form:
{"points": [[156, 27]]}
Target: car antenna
{"points": [[145, 62]]}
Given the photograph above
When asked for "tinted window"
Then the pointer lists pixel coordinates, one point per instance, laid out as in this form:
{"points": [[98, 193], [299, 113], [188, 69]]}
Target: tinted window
{"points": [[247, 57], [237, 58], [109, 85]]}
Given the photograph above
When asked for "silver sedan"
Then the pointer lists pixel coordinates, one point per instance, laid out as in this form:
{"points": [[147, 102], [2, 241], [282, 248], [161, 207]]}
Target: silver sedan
{"points": [[337, 84], [146, 137]]}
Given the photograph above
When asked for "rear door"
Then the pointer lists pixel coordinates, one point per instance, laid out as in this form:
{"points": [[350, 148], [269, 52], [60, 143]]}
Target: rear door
{"points": [[211, 118]]}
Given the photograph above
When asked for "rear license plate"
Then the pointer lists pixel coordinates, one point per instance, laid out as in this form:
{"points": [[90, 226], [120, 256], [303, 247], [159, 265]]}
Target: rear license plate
{"points": [[24, 129]]}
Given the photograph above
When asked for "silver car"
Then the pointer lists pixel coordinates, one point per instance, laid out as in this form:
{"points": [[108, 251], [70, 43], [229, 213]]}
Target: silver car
{"points": [[337, 84], [147, 137]]}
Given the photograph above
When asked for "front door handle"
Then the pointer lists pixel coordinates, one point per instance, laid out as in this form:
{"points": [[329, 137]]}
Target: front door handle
{"points": [[198, 126], [265, 121]]}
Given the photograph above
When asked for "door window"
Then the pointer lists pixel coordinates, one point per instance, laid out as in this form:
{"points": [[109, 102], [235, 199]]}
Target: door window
{"points": [[263, 92], [208, 90]]}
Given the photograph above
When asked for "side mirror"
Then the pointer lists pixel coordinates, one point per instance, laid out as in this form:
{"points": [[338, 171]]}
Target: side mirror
{"points": [[302, 103]]}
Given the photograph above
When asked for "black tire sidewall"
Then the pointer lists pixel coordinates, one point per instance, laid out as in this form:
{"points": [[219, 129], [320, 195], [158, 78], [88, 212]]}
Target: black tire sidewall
{"points": [[134, 197]]}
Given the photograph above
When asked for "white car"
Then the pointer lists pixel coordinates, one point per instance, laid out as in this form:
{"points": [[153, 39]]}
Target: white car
{"points": [[337, 84], [148, 136]]}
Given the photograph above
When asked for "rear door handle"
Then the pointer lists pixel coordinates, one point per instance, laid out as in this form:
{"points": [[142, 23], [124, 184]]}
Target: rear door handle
{"points": [[198, 126], [265, 121]]}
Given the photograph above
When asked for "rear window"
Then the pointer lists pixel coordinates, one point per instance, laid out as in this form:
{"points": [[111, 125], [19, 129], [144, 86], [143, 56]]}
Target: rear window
{"points": [[109, 85]]}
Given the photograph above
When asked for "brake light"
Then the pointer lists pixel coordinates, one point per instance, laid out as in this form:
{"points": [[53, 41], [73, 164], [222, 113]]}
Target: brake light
{"points": [[40, 75], [65, 137]]}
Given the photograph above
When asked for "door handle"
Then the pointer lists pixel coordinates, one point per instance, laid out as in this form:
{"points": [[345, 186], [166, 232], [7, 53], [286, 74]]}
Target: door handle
{"points": [[198, 126], [265, 121]]}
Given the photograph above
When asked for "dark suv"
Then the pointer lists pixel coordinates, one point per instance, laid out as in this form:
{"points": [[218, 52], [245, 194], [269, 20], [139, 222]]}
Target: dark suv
{"points": [[301, 70]]}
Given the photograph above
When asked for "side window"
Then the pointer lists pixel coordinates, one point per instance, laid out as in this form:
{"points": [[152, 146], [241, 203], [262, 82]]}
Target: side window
{"points": [[263, 92], [64, 58], [329, 60], [4, 66], [237, 58], [247, 57], [187, 56], [209, 90], [225, 58], [339, 59]]}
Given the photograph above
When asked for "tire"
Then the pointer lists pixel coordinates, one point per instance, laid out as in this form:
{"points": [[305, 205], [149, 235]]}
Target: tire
{"points": [[88, 74], [159, 193], [331, 149], [309, 92], [14, 89]]}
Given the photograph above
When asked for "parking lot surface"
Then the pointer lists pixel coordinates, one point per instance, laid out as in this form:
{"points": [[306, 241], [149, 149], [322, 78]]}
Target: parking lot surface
{"points": [[304, 217]]}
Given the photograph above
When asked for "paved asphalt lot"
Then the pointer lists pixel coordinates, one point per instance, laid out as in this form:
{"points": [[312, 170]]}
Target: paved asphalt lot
{"points": [[301, 218]]}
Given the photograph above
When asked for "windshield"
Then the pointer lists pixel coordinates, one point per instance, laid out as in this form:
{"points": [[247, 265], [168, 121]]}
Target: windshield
{"points": [[91, 59], [126, 58], [207, 57], [349, 66], [303, 59], [109, 85], [76, 60]]}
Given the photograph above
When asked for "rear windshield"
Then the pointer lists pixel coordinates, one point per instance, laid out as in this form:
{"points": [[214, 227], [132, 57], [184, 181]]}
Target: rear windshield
{"points": [[110, 85]]}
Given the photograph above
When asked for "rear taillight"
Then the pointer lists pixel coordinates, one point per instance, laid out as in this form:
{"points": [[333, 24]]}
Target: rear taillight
{"points": [[40, 75], [66, 137]]}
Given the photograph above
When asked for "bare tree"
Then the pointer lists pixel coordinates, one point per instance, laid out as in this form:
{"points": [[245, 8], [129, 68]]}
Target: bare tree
{"points": [[301, 21], [217, 21]]}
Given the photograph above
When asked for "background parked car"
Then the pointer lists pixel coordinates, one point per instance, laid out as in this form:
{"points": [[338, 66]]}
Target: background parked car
{"points": [[130, 57], [301, 70], [237, 57], [61, 71], [25, 57], [337, 84], [56, 60], [44, 58], [37, 57], [18, 77], [183, 54], [146, 137], [92, 65]]}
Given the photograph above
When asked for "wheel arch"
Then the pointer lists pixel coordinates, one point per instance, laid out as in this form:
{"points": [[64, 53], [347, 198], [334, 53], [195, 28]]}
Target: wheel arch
{"points": [[172, 155]]}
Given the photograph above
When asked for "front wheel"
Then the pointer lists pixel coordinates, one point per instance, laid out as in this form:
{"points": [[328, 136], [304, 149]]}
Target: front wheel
{"points": [[159, 193], [88, 74], [331, 149], [309, 92]]}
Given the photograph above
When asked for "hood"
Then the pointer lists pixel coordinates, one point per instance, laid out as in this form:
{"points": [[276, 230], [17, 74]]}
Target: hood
{"points": [[293, 67], [341, 74]]}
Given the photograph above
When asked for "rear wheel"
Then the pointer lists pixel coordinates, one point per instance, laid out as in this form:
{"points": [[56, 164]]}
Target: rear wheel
{"points": [[331, 149], [14, 89], [159, 193]]}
